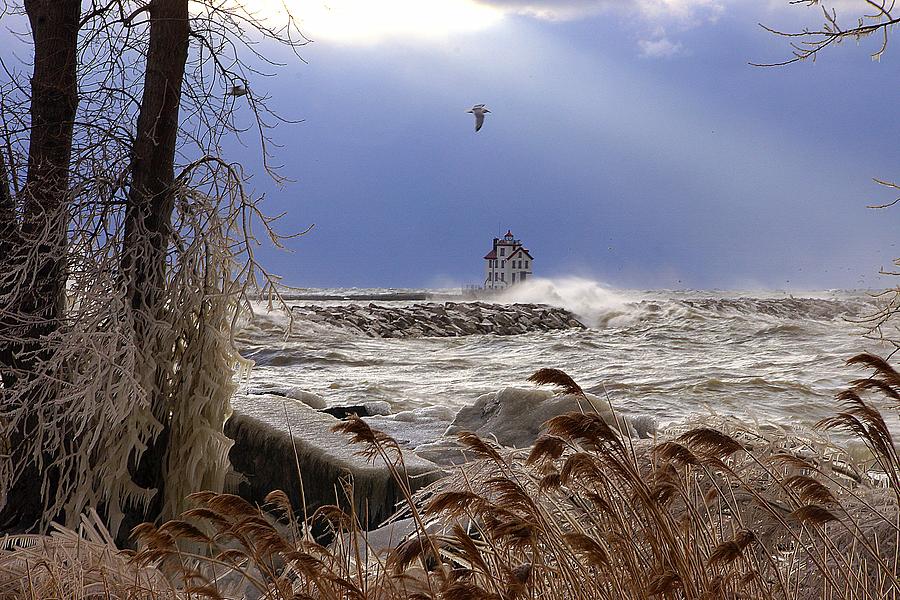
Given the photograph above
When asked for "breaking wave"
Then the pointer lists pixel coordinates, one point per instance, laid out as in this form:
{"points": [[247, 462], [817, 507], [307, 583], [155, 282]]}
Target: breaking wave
{"points": [[602, 306], [594, 303]]}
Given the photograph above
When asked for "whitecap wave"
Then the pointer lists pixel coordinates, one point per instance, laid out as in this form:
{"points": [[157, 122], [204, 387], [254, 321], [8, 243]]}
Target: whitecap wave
{"points": [[596, 304]]}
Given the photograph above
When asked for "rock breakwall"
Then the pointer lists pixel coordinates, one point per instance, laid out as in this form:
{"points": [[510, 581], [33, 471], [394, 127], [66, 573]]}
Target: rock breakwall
{"points": [[441, 319]]}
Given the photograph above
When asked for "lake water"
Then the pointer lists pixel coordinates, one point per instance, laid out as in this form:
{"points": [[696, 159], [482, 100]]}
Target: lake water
{"points": [[770, 356]]}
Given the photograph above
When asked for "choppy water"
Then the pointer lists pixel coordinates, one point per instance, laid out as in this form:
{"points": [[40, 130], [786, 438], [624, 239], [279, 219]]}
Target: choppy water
{"points": [[769, 356]]}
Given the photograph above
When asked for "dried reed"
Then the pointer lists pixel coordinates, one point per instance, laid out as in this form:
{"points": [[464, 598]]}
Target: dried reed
{"points": [[716, 512]]}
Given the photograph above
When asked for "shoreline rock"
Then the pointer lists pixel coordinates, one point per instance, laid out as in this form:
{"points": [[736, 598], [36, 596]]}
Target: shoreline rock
{"points": [[274, 436], [514, 418], [365, 409]]}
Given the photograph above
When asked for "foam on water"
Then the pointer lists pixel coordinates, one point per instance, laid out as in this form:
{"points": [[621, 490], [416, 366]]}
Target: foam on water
{"points": [[595, 304], [664, 354]]}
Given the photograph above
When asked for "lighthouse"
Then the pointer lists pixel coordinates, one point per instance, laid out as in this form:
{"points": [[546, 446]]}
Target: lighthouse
{"points": [[508, 263]]}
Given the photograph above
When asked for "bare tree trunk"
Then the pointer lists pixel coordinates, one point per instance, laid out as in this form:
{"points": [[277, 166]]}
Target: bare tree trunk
{"points": [[54, 100], [148, 215], [34, 279], [9, 226], [149, 211], [9, 231], [7, 206]]}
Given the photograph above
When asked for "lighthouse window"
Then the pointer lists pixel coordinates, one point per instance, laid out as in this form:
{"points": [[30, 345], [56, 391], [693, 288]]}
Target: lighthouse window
{"points": [[526, 264], [502, 276], [502, 263], [502, 251]]}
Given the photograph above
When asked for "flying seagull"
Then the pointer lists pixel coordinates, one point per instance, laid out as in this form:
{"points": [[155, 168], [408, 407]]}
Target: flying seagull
{"points": [[478, 110]]}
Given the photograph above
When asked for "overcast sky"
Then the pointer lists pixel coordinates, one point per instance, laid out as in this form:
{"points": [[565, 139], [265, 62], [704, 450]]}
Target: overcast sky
{"points": [[629, 141]]}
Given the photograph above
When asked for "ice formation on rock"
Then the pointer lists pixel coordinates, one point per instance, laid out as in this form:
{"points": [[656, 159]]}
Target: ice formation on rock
{"points": [[270, 431], [514, 416], [295, 393]]}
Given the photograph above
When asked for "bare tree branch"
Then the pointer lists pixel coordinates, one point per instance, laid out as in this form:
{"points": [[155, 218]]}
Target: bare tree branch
{"points": [[808, 43]]}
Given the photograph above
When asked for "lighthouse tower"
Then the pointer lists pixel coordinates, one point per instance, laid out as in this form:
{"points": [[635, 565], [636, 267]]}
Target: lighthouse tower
{"points": [[508, 263]]}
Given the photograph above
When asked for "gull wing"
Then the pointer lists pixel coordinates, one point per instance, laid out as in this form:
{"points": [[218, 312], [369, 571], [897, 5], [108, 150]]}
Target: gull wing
{"points": [[479, 120]]}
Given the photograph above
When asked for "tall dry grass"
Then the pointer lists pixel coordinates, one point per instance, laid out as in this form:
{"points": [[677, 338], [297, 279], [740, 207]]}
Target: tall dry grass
{"points": [[712, 512]]}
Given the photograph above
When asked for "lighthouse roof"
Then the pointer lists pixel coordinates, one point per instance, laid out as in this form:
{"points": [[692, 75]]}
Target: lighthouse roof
{"points": [[491, 255], [523, 250]]}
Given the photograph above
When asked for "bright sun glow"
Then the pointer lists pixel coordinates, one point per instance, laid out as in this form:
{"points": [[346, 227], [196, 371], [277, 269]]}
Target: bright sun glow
{"points": [[366, 21]]}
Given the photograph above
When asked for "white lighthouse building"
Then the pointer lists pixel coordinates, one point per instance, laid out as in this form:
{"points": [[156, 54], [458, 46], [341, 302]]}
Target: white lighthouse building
{"points": [[508, 263]]}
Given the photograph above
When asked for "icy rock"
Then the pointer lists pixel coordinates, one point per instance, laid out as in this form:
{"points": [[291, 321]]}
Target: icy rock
{"points": [[389, 536], [372, 547], [366, 409], [342, 412], [514, 416], [444, 452], [294, 393], [412, 428], [377, 407], [644, 425], [376, 544], [268, 431]]}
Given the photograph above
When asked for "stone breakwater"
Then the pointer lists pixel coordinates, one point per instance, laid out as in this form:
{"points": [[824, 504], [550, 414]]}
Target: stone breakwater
{"points": [[446, 319]]}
